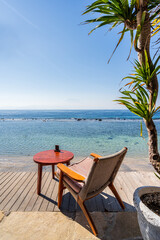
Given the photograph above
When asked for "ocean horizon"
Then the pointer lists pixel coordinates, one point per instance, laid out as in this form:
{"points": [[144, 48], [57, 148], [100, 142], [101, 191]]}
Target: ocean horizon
{"points": [[89, 114]]}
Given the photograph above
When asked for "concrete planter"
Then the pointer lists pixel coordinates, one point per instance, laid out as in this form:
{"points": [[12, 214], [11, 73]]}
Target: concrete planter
{"points": [[149, 222]]}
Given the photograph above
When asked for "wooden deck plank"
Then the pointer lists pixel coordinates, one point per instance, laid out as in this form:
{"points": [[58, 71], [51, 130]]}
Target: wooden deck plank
{"points": [[65, 200], [91, 205], [20, 187], [150, 179], [129, 188], [18, 183], [120, 186], [107, 200], [3, 176], [22, 192], [1, 173], [133, 181], [8, 179], [34, 198], [137, 180], [49, 191], [51, 203], [39, 201], [31, 192], [19, 193], [55, 196], [9, 182], [72, 204], [155, 180], [133, 184], [145, 180], [9, 190], [110, 202], [100, 207]]}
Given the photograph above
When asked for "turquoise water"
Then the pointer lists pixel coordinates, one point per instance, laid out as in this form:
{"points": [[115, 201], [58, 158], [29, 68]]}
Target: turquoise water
{"points": [[24, 133]]}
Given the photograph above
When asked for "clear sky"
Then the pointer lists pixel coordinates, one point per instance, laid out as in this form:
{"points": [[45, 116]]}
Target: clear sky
{"points": [[48, 61]]}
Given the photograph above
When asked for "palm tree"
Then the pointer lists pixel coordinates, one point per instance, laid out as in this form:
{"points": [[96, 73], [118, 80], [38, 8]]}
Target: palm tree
{"points": [[136, 16]]}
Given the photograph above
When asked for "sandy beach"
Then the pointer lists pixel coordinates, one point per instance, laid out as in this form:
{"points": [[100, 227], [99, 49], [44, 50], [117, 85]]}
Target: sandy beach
{"points": [[26, 163]]}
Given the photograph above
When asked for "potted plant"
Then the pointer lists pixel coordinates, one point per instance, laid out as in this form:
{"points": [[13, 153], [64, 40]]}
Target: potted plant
{"points": [[147, 203]]}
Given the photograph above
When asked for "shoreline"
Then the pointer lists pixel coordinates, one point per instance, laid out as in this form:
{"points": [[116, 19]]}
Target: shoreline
{"points": [[26, 164]]}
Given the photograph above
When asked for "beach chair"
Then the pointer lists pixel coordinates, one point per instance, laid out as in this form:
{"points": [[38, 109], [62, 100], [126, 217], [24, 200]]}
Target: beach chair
{"points": [[88, 178]]}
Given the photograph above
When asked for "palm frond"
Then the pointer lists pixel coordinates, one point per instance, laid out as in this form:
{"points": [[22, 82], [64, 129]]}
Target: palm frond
{"points": [[137, 99], [115, 12]]}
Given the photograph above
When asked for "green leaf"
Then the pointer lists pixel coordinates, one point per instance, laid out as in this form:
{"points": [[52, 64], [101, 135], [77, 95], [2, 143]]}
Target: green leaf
{"points": [[121, 37], [157, 175], [132, 36]]}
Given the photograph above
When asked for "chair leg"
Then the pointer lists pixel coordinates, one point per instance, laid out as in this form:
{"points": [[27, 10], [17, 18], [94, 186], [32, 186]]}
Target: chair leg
{"points": [[60, 189], [111, 186], [87, 215]]}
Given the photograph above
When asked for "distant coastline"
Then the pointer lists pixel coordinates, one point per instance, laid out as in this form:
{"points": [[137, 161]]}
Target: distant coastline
{"points": [[72, 119]]}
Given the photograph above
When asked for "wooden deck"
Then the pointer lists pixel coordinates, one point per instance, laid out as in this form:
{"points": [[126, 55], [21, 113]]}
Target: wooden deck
{"points": [[18, 192]]}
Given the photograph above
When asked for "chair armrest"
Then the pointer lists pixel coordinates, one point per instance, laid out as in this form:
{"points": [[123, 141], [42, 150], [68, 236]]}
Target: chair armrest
{"points": [[70, 172], [95, 155]]}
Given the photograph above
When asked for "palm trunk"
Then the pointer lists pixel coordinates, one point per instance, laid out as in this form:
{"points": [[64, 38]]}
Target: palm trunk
{"points": [[144, 44], [153, 145]]}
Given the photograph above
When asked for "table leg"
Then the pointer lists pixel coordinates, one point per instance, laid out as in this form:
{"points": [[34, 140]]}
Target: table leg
{"points": [[39, 180], [53, 173], [68, 163]]}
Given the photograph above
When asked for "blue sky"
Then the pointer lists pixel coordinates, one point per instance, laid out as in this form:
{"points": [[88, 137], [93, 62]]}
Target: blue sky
{"points": [[48, 61]]}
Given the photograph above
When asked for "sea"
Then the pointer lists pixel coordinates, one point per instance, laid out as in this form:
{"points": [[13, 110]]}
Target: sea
{"points": [[26, 132]]}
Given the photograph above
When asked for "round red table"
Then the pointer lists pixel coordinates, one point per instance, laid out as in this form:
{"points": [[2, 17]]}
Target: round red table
{"points": [[50, 157]]}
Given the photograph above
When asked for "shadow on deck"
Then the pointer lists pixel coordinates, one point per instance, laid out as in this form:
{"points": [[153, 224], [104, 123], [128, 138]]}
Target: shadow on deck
{"points": [[18, 193]]}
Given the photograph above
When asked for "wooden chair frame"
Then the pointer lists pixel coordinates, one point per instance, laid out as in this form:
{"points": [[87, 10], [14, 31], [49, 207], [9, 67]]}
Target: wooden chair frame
{"points": [[73, 175]]}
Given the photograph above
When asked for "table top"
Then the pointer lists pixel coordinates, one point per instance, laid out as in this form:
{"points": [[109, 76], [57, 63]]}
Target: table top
{"points": [[52, 157]]}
